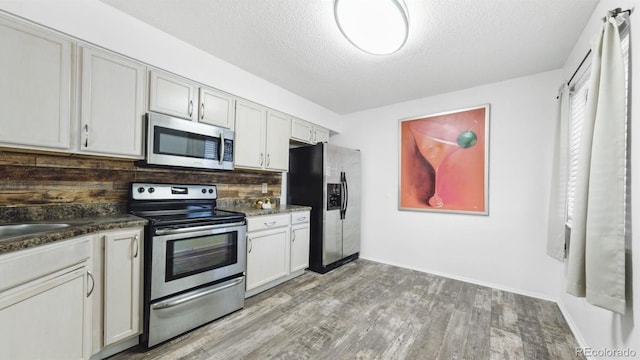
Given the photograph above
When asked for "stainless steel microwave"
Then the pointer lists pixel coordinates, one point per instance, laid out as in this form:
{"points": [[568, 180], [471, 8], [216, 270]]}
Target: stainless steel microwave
{"points": [[183, 143]]}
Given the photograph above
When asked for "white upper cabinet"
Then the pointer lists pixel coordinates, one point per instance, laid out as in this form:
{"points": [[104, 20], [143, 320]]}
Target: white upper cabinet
{"points": [[35, 90], [172, 95], [262, 137], [112, 106], [308, 133], [278, 129], [320, 134], [216, 108], [250, 135]]}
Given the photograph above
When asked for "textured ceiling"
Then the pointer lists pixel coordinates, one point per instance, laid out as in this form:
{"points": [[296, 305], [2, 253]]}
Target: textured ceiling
{"points": [[452, 44]]}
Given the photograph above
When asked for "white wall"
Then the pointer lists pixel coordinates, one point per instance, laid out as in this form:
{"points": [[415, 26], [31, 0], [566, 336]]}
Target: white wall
{"points": [[100, 24], [505, 249], [599, 328]]}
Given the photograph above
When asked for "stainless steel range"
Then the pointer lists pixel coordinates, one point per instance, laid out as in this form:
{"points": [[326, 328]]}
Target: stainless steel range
{"points": [[195, 258]]}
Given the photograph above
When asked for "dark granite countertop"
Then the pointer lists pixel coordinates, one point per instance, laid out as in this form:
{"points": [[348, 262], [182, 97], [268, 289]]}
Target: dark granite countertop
{"points": [[78, 227], [87, 225], [279, 209]]}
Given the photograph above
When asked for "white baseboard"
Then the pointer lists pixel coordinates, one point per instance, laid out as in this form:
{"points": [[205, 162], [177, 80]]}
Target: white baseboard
{"points": [[572, 325]]}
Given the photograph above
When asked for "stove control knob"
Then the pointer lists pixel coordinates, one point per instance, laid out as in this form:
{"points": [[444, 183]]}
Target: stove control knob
{"points": [[151, 190], [210, 191], [140, 189], [204, 191]]}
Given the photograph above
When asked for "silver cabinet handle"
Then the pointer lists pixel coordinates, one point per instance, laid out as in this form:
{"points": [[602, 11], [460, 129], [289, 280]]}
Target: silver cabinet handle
{"points": [[270, 224], [302, 218], [315, 135], [250, 244], [261, 159], [136, 241], [190, 108], [93, 283], [268, 159], [293, 236], [194, 295], [86, 135], [202, 111], [311, 134]]}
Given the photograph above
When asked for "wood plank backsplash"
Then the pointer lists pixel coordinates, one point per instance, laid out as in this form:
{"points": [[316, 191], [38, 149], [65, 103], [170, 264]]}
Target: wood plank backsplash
{"points": [[48, 179]]}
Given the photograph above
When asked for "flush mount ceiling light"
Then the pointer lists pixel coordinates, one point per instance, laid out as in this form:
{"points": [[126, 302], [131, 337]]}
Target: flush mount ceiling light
{"points": [[378, 27]]}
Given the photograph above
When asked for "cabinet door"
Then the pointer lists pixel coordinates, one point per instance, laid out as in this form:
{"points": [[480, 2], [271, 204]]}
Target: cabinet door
{"points": [[35, 90], [216, 108], [172, 96], [277, 140], [250, 135], [122, 275], [301, 131], [112, 104], [48, 318], [267, 256], [300, 247], [46, 301], [320, 135]]}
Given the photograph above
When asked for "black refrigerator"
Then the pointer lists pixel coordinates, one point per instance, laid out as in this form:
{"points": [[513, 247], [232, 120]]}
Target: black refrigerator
{"points": [[327, 178]]}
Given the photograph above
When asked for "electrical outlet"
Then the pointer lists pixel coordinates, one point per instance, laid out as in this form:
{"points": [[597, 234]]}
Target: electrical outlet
{"points": [[264, 188]]}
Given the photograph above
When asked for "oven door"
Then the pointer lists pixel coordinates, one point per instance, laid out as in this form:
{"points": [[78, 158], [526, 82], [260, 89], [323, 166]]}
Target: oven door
{"points": [[185, 258], [177, 142]]}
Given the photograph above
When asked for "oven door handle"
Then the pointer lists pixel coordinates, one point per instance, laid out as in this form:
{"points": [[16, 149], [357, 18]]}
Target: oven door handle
{"points": [[197, 228], [194, 295]]}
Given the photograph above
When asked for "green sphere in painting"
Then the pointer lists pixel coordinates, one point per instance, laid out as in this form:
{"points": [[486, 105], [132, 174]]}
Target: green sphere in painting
{"points": [[467, 139]]}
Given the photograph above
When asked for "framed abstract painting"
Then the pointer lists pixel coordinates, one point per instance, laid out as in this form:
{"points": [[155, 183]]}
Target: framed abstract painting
{"points": [[444, 161]]}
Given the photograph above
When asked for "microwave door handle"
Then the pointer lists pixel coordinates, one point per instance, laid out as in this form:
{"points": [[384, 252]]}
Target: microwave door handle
{"points": [[221, 147]]}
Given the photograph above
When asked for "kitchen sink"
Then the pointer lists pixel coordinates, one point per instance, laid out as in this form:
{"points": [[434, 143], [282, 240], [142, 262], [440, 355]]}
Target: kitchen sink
{"points": [[10, 231]]}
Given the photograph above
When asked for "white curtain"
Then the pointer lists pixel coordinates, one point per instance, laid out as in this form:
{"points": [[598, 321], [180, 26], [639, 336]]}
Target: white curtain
{"points": [[558, 199], [596, 261]]}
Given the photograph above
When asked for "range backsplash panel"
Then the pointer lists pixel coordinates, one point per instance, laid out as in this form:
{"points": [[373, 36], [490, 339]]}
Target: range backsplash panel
{"points": [[36, 186]]}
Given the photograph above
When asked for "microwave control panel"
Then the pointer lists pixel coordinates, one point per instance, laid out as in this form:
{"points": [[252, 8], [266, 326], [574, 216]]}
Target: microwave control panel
{"points": [[228, 150]]}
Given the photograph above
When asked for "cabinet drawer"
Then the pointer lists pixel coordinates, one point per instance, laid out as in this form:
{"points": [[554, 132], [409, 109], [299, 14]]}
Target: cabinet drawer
{"points": [[300, 217], [26, 265], [267, 222]]}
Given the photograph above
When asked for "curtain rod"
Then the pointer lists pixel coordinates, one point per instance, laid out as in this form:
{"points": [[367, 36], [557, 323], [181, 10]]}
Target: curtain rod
{"points": [[612, 13]]}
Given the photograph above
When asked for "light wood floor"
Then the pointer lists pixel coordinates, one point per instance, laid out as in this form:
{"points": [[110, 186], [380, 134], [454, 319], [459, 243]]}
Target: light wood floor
{"points": [[367, 310]]}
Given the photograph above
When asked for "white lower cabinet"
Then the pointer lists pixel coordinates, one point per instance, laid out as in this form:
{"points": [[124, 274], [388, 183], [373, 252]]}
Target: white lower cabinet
{"points": [[267, 249], [118, 273], [72, 299], [46, 296], [277, 249], [300, 236], [122, 284]]}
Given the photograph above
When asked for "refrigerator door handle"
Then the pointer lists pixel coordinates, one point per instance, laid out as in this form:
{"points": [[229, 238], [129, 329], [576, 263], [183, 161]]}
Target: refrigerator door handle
{"points": [[346, 195], [343, 195]]}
